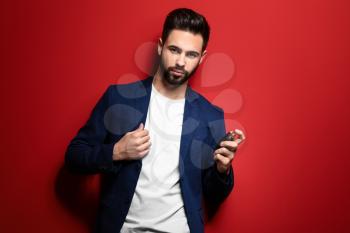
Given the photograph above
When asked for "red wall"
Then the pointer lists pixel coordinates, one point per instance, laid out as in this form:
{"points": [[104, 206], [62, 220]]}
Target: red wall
{"points": [[284, 65]]}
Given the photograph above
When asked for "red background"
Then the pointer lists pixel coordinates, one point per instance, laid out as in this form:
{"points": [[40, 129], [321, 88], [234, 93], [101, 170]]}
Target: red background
{"points": [[291, 63]]}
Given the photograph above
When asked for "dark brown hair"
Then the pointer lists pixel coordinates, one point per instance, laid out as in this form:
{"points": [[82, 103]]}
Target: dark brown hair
{"points": [[187, 20]]}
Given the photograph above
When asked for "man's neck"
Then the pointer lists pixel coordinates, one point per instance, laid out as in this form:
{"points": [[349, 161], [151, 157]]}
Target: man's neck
{"points": [[169, 90]]}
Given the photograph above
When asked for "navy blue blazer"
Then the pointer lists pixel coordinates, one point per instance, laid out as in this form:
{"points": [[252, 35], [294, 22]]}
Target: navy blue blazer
{"points": [[121, 109]]}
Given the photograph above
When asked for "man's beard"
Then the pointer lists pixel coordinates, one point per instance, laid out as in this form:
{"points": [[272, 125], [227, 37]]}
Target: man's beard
{"points": [[177, 80]]}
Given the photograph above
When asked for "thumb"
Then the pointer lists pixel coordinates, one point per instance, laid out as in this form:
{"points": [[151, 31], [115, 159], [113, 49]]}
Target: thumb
{"points": [[140, 127]]}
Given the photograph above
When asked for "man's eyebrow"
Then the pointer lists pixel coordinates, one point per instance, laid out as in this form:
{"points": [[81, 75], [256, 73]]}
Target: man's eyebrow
{"points": [[190, 51], [174, 47]]}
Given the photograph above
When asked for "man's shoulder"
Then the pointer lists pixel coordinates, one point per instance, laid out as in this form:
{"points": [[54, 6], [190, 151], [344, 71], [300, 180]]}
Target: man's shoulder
{"points": [[130, 84], [134, 89], [206, 105]]}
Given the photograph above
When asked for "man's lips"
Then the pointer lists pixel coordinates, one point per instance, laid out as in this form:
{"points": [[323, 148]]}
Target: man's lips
{"points": [[177, 72]]}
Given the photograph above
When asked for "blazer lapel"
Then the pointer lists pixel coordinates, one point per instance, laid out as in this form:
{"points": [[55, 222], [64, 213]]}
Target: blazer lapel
{"points": [[142, 103], [191, 122]]}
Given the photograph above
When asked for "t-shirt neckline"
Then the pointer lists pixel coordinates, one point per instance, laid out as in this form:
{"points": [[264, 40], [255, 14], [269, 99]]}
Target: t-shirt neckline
{"points": [[165, 97]]}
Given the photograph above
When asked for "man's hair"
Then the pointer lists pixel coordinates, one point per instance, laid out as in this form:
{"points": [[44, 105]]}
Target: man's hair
{"points": [[186, 20]]}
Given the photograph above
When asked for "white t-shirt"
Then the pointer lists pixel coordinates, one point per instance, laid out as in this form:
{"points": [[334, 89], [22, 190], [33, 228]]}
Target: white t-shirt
{"points": [[157, 204]]}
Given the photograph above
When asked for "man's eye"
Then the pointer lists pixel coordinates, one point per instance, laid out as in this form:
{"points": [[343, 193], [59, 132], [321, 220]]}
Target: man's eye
{"points": [[192, 55], [173, 50]]}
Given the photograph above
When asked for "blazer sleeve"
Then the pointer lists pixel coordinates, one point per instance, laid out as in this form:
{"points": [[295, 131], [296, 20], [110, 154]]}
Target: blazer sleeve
{"points": [[87, 152], [216, 186]]}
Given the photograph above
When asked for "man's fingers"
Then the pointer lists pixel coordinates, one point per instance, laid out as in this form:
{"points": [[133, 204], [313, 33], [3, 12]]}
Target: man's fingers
{"points": [[143, 139], [141, 133], [230, 145], [241, 135], [144, 146], [143, 153], [140, 127], [224, 151], [223, 159]]}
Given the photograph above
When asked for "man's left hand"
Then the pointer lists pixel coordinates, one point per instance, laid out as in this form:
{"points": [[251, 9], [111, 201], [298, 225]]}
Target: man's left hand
{"points": [[225, 154]]}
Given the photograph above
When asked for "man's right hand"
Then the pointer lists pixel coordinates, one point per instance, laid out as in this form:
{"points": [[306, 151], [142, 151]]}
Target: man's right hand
{"points": [[133, 145]]}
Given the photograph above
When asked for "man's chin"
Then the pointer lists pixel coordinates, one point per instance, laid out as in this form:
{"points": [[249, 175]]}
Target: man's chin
{"points": [[176, 80]]}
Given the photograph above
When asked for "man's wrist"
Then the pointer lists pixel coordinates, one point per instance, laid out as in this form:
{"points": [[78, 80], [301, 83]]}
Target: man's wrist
{"points": [[223, 174], [116, 154], [223, 171]]}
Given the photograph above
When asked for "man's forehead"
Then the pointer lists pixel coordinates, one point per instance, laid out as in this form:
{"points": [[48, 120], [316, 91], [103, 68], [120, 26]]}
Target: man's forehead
{"points": [[185, 40]]}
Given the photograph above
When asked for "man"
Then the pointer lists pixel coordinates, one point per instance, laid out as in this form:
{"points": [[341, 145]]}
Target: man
{"points": [[155, 141]]}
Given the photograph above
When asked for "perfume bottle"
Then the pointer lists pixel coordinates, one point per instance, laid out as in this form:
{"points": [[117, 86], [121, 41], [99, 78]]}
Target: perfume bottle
{"points": [[230, 136]]}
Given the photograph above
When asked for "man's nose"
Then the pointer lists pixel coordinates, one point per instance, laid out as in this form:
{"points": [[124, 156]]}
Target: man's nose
{"points": [[180, 61]]}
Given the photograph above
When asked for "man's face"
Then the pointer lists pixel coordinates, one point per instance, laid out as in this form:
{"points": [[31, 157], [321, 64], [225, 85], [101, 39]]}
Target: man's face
{"points": [[180, 56]]}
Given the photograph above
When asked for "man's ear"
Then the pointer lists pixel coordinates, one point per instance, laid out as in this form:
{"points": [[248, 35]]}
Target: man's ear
{"points": [[204, 54], [160, 46]]}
